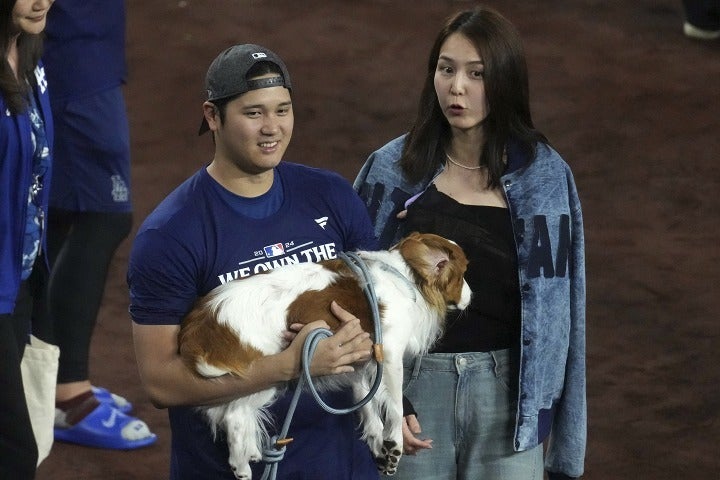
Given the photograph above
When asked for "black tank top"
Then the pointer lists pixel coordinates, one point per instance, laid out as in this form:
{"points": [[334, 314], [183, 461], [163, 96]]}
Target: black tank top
{"points": [[492, 321]]}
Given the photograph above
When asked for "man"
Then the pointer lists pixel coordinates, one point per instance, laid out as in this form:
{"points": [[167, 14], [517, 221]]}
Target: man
{"points": [[247, 212]]}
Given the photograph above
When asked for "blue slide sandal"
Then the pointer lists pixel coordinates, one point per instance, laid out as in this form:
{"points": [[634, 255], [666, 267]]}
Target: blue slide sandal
{"points": [[104, 396], [103, 427]]}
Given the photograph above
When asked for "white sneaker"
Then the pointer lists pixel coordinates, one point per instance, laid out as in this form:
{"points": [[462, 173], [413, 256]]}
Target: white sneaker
{"points": [[692, 31]]}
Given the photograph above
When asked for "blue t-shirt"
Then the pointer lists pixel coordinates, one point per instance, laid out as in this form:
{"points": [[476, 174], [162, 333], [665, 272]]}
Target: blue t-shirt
{"points": [[85, 47], [196, 240]]}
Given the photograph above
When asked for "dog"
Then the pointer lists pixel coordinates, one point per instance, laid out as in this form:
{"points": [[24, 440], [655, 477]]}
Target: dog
{"points": [[415, 283]]}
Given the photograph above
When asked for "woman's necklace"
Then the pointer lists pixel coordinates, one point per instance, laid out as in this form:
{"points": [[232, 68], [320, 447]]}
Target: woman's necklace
{"points": [[461, 165]]}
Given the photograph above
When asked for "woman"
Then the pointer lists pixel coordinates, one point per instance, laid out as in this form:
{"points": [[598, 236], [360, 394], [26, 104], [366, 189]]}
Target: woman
{"points": [[474, 169], [25, 142]]}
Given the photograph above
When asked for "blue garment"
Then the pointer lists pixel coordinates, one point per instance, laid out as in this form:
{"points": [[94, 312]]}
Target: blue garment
{"points": [[86, 70], [16, 176], [548, 227], [85, 47], [194, 241], [92, 154], [35, 221]]}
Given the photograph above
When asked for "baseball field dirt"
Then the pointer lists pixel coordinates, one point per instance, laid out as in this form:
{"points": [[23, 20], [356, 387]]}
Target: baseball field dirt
{"points": [[630, 103]]}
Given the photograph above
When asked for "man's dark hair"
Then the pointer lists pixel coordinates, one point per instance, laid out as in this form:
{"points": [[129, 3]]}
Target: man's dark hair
{"points": [[257, 70]]}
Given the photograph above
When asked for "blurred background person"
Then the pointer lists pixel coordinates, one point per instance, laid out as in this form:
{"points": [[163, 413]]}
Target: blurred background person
{"points": [[90, 212], [702, 19]]}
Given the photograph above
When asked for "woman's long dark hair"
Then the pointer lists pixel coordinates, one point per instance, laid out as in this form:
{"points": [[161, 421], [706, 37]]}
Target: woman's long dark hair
{"points": [[506, 88], [12, 89]]}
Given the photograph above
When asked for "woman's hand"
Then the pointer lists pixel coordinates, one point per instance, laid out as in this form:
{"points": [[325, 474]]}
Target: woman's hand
{"points": [[411, 443]]}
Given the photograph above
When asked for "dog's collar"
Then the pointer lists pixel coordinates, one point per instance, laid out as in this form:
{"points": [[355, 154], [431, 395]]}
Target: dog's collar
{"points": [[359, 267], [411, 286], [383, 266]]}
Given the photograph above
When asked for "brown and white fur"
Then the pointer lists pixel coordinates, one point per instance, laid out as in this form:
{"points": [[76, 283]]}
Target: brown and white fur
{"points": [[415, 283]]}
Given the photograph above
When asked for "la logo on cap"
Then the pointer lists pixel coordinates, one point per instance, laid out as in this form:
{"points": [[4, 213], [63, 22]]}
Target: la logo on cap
{"points": [[258, 55]]}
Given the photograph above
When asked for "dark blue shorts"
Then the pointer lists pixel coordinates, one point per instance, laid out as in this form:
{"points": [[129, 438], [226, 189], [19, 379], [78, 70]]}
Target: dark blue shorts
{"points": [[91, 155]]}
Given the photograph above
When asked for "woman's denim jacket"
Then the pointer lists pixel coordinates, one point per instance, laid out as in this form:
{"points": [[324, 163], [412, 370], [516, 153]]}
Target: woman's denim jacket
{"points": [[548, 228]]}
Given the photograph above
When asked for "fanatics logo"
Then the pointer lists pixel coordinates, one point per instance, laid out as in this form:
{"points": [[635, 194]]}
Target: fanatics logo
{"points": [[322, 221], [274, 250]]}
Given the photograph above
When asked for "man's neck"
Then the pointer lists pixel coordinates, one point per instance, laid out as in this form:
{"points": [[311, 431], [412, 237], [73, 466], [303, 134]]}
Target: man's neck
{"points": [[241, 183]]}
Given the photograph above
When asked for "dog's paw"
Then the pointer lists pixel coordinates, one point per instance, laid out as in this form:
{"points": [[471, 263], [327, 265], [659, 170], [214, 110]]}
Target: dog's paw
{"points": [[389, 458], [240, 458], [242, 475], [254, 454], [241, 470]]}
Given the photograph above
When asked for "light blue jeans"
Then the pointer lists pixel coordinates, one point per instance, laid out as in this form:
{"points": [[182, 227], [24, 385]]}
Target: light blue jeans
{"points": [[466, 404]]}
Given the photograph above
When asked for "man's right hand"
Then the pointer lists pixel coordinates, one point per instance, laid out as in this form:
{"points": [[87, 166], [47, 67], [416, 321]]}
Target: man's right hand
{"points": [[336, 354]]}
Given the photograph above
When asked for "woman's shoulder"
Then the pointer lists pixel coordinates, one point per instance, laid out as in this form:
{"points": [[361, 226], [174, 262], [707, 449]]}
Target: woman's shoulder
{"points": [[392, 150], [383, 162], [550, 159], [548, 153], [545, 157]]}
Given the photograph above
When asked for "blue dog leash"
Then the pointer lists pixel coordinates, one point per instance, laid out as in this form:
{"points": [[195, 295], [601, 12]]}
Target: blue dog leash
{"points": [[278, 443]]}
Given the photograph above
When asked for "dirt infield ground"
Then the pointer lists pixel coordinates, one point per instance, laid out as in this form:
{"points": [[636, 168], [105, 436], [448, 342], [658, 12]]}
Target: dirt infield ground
{"points": [[632, 105]]}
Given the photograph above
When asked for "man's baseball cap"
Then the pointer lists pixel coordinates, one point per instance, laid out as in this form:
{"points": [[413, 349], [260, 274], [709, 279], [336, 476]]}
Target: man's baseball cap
{"points": [[227, 75]]}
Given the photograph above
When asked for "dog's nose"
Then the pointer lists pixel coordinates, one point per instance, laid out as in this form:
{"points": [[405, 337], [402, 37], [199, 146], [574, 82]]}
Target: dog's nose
{"points": [[465, 296]]}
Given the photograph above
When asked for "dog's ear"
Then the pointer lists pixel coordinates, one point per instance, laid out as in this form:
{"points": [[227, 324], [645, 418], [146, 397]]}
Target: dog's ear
{"points": [[438, 260], [425, 253], [438, 264]]}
